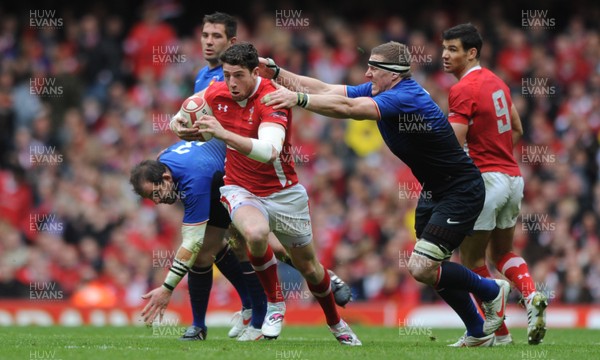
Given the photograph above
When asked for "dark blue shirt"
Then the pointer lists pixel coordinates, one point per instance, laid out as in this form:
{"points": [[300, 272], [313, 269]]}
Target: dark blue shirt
{"points": [[418, 133]]}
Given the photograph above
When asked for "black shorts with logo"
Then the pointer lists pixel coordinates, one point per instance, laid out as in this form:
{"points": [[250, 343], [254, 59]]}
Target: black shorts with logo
{"points": [[445, 219]]}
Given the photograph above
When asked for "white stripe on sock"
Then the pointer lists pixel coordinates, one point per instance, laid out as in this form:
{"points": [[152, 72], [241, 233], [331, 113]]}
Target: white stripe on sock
{"points": [[323, 294], [262, 267], [513, 262]]}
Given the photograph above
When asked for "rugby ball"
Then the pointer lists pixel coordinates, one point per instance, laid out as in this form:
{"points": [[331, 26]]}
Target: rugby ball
{"points": [[192, 109]]}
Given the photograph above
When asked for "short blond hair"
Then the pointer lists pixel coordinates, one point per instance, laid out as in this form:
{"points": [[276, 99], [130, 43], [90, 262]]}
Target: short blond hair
{"points": [[394, 52]]}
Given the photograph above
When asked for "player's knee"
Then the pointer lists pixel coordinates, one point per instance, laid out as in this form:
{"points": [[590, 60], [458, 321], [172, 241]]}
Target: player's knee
{"points": [[204, 260], [422, 270], [255, 233]]}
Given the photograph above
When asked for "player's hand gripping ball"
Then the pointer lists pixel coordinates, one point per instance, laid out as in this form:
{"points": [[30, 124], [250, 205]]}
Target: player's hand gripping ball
{"points": [[192, 109]]}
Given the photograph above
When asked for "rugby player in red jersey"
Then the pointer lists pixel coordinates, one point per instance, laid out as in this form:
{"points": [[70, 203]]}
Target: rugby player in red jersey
{"points": [[487, 124], [261, 189]]}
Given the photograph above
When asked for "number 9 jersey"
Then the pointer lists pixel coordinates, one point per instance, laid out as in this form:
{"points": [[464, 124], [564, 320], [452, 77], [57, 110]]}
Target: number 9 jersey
{"points": [[482, 101]]}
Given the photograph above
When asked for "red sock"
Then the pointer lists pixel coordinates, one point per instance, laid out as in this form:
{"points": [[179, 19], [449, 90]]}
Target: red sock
{"points": [[515, 269], [483, 271], [322, 291], [266, 269]]}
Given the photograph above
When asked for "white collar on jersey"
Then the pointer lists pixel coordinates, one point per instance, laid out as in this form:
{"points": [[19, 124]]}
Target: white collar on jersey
{"points": [[245, 101], [478, 67]]}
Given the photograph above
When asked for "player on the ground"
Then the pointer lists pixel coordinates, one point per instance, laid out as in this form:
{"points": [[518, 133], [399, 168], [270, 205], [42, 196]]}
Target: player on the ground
{"points": [[418, 133], [192, 172], [261, 189], [486, 122]]}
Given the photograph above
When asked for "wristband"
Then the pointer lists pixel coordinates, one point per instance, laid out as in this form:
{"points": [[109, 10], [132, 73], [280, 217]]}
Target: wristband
{"points": [[271, 65], [176, 273], [302, 99]]}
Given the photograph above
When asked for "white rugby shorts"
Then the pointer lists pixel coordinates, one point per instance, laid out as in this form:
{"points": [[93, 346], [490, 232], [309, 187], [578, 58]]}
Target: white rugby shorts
{"points": [[503, 195], [287, 211]]}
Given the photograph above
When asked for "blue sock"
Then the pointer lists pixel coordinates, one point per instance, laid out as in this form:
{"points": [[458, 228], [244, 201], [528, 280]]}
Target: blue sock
{"points": [[259, 299], [455, 276], [228, 264], [199, 284], [463, 305]]}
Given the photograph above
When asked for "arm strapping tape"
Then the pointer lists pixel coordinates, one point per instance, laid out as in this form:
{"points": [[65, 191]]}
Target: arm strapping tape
{"points": [[193, 238], [269, 137]]}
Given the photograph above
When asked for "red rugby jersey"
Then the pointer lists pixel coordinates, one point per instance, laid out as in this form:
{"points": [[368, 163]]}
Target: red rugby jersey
{"points": [[244, 118], [482, 101]]}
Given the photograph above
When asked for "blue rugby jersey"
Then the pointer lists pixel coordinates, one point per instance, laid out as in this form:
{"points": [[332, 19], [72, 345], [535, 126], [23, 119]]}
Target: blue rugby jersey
{"points": [[207, 77], [193, 165], [418, 133]]}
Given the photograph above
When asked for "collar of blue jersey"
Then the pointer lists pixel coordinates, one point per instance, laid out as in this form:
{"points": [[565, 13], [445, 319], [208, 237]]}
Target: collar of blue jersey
{"points": [[389, 66]]}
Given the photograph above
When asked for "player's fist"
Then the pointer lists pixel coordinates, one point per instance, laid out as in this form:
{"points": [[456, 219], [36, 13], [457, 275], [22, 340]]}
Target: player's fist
{"points": [[209, 126], [179, 124], [267, 68]]}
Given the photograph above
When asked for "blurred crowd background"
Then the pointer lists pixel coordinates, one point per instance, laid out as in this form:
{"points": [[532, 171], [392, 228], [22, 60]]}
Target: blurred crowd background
{"points": [[83, 98]]}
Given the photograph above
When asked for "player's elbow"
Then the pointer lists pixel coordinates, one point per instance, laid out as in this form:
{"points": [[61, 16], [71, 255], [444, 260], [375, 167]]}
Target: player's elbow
{"points": [[269, 144], [358, 110], [274, 155], [263, 151]]}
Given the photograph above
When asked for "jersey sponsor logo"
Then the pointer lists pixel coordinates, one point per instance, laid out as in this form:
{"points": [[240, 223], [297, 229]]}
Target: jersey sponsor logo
{"points": [[279, 114]]}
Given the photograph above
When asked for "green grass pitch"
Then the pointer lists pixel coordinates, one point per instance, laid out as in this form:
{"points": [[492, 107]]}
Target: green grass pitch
{"points": [[296, 342]]}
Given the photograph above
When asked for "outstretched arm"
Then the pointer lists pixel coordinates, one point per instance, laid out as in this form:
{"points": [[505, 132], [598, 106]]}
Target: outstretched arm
{"points": [[193, 238], [330, 105], [342, 107], [268, 69]]}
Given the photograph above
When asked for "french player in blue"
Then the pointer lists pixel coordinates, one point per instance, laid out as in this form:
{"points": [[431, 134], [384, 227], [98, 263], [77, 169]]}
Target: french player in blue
{"points": [[193, 172], [418, 133], [218, 34]]}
